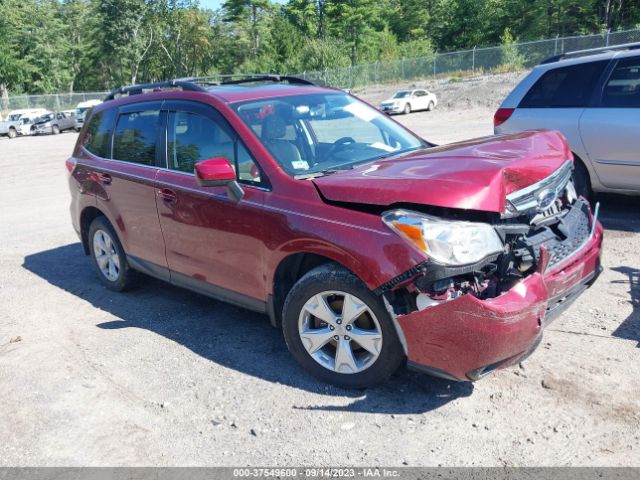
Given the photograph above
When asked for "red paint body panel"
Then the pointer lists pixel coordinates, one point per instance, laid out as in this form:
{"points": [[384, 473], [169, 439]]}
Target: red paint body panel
{"points": [[211, 238], [465, 334], [128, 201], [474, 175]]}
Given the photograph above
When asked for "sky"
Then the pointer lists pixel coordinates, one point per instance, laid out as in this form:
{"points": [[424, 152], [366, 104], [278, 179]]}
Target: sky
{"points": [[213, 4]]}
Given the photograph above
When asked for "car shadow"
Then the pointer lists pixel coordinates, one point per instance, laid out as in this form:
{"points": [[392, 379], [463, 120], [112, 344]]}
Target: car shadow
{"points": [[629, 329], [227, 335], [619, 212]]}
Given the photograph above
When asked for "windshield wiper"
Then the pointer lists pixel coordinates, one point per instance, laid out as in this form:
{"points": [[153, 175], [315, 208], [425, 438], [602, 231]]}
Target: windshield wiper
{"points": [[320, 173]]}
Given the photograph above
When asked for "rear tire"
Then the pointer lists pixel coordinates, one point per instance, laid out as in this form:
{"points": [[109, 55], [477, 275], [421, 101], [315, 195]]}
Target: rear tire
{"points": [[581, 180], [109, 258], [407, 109], [331, 351], [430, 107]]}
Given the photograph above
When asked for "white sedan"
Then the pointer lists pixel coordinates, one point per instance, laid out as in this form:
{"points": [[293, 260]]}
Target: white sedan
{"points": [[407, 101]]}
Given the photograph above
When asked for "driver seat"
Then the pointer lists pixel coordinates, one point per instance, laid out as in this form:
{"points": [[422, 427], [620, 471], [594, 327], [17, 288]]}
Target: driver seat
{"points": [[273, 129]]}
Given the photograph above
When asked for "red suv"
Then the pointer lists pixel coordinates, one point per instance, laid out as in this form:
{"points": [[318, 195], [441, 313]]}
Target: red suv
{"points": [[368, 245]]}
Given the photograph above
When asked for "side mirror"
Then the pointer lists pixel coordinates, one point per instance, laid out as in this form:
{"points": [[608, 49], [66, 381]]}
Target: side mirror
{"points": [[218, 172], [214, 172]]}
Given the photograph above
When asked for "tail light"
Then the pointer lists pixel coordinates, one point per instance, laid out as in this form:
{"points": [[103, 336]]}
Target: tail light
{"points": [[70, 164], [502, 115]]}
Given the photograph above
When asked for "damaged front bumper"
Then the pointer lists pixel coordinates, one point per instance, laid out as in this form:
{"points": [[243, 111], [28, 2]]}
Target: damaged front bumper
{"points": [[466, 338]]}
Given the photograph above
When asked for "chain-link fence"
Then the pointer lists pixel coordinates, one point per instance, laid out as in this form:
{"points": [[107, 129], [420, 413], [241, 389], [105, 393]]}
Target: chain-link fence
{"points": [[55, 102], [487, 59], [520, 55]]}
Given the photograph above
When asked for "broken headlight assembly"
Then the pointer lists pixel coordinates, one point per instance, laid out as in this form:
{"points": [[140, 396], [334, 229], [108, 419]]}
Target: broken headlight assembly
{"points": [[451, 243]]}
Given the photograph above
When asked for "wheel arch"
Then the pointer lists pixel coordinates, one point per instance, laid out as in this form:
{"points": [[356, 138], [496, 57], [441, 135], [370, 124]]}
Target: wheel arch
{"points": [[288, 271], [591, 174], [88, 215]]}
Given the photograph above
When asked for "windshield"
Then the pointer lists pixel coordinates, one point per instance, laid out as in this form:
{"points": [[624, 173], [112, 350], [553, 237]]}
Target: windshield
{"points": [[402, 95], [45, 118], [15, 117], [308, 134]]}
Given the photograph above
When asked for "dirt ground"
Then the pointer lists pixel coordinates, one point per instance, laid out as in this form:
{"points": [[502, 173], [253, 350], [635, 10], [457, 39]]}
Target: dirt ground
{"points": [[162, 376]]}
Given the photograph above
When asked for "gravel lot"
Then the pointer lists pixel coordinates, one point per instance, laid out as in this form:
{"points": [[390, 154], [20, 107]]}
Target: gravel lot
{"points": [[162, 376]]}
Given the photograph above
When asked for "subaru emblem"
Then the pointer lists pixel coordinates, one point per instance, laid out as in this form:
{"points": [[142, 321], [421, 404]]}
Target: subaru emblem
{"points": [[546, 199]]}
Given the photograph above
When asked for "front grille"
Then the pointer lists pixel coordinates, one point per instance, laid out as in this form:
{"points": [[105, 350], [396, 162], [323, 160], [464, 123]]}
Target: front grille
{"points": [[564, 238], [528, 198]]}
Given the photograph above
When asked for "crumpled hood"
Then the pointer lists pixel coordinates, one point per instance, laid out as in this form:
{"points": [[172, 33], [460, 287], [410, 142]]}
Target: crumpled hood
{"points": [[475, 175]]}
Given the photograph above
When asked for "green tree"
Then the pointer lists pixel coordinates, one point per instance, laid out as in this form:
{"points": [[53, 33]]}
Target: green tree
{"points": [[356, 21], [126, 36], [511, 58], [251, 15]]}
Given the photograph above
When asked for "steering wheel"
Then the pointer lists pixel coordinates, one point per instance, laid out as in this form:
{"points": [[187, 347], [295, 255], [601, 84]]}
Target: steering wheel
{"points": [[339, 144]]}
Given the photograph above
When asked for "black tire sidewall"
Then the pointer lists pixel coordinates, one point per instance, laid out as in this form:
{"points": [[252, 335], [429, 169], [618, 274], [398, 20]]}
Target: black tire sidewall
{"points": [[125, 276], [333, 277], [581, 180]]}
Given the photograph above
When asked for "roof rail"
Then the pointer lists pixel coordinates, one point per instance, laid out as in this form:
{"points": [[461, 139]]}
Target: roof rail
{"points": [[138, 89], [237, 78], [591, 51], [198, 84]]}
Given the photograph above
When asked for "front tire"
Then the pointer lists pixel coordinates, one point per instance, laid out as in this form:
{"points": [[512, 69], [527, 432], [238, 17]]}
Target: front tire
{"points": [[12, 133], [55, 130], [339, 330], [109, 258], [407, 109]]}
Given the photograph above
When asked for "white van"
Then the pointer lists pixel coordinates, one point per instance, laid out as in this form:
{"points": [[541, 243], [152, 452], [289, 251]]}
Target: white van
{"points": [[82, 109]]}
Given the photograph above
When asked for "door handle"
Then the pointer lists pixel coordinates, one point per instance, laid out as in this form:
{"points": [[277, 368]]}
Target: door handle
{"points": [[168, 196], [103, 178]]}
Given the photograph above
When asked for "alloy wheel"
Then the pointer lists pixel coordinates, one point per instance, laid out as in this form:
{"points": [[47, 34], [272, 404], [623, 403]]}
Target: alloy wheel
{"points": [[340, 332], [106, 255]]}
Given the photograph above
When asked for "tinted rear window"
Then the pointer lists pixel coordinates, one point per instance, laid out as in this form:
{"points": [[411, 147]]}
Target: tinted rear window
{"points": [[135, 137], [623, 87], [566, 87], [97, 138]]}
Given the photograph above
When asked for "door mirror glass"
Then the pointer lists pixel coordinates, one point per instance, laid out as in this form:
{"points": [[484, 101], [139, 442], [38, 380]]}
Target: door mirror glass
{"points": [[214, 172]]}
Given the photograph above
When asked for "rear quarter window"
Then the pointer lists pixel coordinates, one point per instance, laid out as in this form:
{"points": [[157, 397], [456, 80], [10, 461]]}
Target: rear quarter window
{"points": [[565, 87], [97, 137], [622, 90]]}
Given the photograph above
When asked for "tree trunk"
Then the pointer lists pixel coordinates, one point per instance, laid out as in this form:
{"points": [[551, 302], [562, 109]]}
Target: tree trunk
{"points": [[254, 29], [321, 7], [607, 14]]}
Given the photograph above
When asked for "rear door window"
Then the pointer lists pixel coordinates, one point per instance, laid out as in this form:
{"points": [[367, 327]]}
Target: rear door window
{"points": [[97, 138], [623, 87], [136, 136], [565, 87]]}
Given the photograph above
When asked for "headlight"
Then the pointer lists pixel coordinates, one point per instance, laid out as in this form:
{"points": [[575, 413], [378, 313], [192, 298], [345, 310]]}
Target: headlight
{"points": [[447, 242]]}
